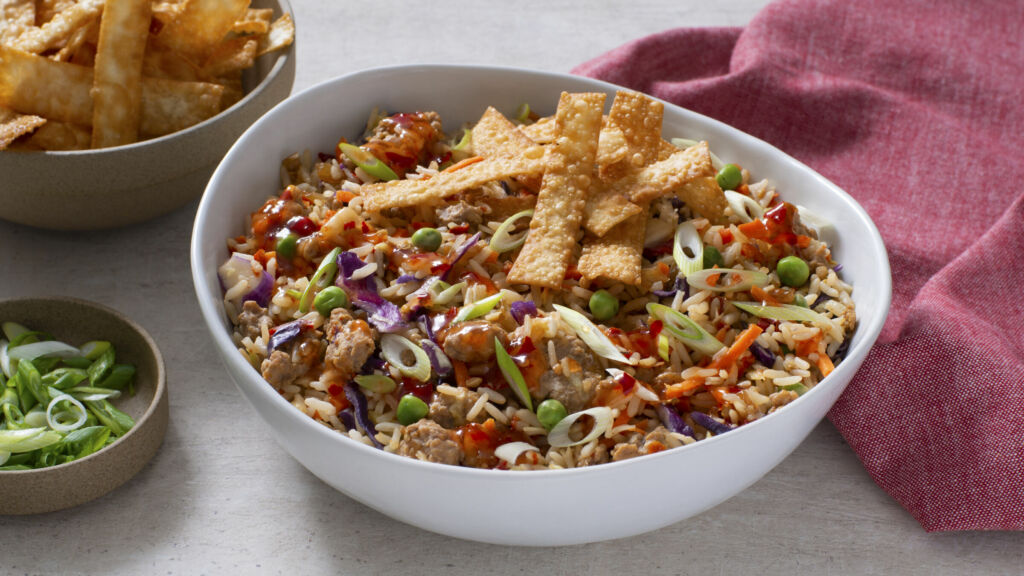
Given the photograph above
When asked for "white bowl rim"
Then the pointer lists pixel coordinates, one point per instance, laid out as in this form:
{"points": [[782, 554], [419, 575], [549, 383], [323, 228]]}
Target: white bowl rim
{"points": [[213, 316], [275, 71]]}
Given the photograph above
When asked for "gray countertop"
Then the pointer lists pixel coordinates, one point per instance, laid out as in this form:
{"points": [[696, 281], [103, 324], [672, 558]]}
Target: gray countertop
{"points": [[222, 497]]}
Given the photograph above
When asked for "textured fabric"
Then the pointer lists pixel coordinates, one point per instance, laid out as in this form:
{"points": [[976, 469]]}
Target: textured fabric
{"points": [[915, 109]]}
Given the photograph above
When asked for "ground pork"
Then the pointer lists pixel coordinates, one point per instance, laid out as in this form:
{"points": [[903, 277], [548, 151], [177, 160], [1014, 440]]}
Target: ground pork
{"points": [[350, 343], [427, 440]]}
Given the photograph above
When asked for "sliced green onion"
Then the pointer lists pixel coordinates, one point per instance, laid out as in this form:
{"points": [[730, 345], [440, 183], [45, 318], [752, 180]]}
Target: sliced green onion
{"points": [[392, 347], [5, 358], [591, 334], [513, 450], [664, 350], [27, 439], [445, 296], [744, 207], [85, 393], [512, 374], [523, 113], [47, 349], [603, 419], [501, 242], [12, 330], [368, 162], [84, 441], [747, 279], [467, 137], [684, 329], [799, 388], [4, 457], [785, 312], [93, 350], [68, 418], [376, 383], [478, 308], [688, 240], [29, 377], [815, 221], [101, 367], [111, 417], [64, 378], [684, 143], [327, 269], [36, 418]]}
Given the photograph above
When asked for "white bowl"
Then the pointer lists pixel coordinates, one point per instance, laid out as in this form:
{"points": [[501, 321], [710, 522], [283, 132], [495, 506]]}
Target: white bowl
{"points": [[505, 507]]}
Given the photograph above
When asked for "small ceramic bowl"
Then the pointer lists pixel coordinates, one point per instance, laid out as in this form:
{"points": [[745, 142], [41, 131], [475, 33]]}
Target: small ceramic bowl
{"points": [[112, 187], [58, 487]]}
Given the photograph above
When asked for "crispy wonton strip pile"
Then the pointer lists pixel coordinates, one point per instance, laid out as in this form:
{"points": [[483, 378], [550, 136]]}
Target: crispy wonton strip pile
{"points": [[196, 32], [432, 191], [117, 76], [60, 28], [542, 131], [567, 178], [16, 16], [617, 255], [61, 91]]}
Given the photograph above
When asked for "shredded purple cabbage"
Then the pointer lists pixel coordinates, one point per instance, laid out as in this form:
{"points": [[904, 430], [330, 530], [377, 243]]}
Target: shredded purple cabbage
{"points": [[438, 360], [762, 354], [837, 268], [261, 293], [358, 400], [673, 421], [712, 425], [822, 298], [676, 287], [285, 333], [840, 354], [363, 293], [460, 254], [347, 418], [427, 324], [521, 309], [405, 278]]}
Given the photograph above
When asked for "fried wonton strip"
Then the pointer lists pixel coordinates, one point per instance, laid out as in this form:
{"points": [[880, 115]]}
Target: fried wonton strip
{"points": [[616, 255], [231, 55], [60, 136], [16, 16], [432, 191], [607, 208], [282, 34], [256, 21], [542, 131], [59, 91], [630, 140], [200, 26], [161, 62], [638, 119], [32, 84], [496, 135], [568, 175], [117, 77], [667, 175], [705, 197], [75, 43], [170, 105], [14, 126], [502, 208], [55, 32]]}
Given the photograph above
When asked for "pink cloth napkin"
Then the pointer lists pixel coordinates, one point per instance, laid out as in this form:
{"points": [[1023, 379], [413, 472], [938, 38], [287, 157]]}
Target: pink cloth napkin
{"points": [[915, 109]]}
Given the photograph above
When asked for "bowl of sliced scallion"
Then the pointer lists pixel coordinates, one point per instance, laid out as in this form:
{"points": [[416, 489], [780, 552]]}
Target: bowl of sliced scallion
{"points": [[83, 402]]}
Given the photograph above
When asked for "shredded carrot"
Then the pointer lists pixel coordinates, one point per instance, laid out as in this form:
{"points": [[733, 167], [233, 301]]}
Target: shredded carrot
{"points": [[825, 364], [805, 348], [755, 229], [654, 446], [461, 373], [720, 335], [464, 163], [674, 391], [344, 196], [622, 419], [719, 394], [726, 235], [742, 343], [765, 298]]}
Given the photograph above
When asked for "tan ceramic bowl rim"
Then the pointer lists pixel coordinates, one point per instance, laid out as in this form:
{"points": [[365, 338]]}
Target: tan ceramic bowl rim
{"points": [[161, 378], [279, 64]]}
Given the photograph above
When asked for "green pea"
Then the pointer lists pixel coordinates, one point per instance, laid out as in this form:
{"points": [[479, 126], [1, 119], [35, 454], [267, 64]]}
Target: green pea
{"points": [[411, 409], [712, 257], [792, 271], [328, 299], [729, 177], [603, 305], [551, 412], [428, 239], [286, 246]]}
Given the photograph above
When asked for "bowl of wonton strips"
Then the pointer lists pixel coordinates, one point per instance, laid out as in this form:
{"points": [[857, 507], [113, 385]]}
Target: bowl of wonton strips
{"points": [[538, 294], [113, 112]]}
